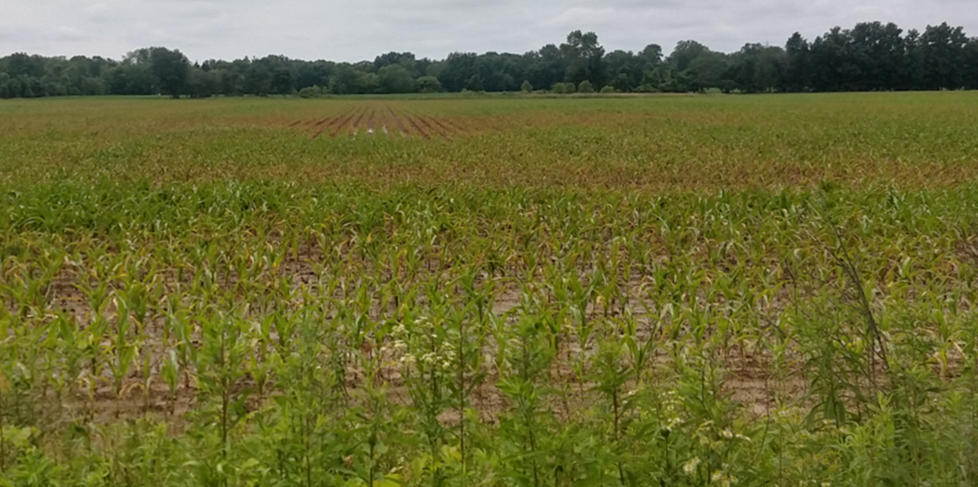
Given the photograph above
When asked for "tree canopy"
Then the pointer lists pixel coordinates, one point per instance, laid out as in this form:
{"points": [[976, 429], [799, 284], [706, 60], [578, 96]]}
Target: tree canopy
{"points": [[871, 56], [171, 69]]}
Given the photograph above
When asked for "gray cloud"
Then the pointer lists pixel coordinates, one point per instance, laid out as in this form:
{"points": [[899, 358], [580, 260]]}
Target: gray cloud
{"points": [[361, 29]]}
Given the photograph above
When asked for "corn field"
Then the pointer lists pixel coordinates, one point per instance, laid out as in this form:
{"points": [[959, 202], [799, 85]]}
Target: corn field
{"points": [[674, 291]]}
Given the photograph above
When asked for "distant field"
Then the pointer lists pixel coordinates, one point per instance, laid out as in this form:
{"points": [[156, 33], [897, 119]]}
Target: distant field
{"points": [[671, 143], [661, 290]]}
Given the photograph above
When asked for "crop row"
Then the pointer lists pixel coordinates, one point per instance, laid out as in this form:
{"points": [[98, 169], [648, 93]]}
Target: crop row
{"points": [[267, 332], [380, 120]]}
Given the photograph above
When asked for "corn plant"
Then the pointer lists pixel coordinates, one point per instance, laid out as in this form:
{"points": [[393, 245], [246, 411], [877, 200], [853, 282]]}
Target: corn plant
{"points": [[703, 291]]}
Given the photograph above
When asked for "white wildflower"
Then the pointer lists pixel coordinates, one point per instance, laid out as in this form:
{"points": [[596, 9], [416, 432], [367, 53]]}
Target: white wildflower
{"points": [[691, 465], [727, 434]]}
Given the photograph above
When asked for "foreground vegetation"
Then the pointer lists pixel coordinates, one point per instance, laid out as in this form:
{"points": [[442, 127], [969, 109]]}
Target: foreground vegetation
{"points": [[656, 291]]}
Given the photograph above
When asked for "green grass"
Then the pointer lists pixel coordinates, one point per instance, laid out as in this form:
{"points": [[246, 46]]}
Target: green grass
{"points": [[716, 290]]}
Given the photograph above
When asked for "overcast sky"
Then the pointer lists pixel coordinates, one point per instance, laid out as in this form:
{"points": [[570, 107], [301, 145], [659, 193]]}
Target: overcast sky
{"points": [[361, 29]]}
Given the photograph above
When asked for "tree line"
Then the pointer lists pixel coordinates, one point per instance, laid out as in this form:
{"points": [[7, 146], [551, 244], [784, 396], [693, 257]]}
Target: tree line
{"points": [[871, 56]]}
